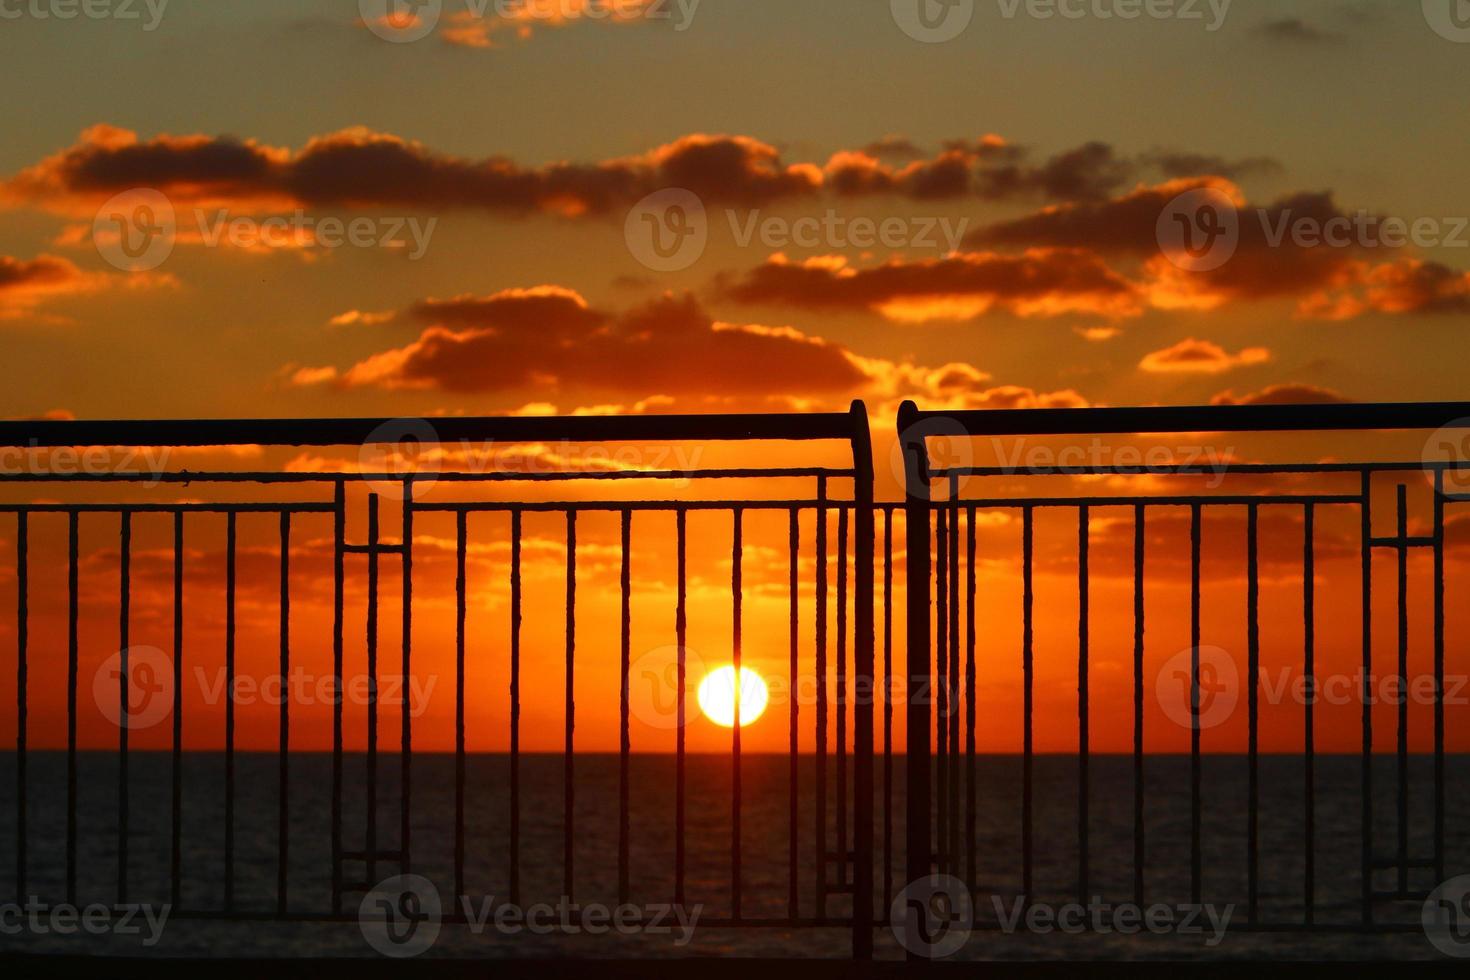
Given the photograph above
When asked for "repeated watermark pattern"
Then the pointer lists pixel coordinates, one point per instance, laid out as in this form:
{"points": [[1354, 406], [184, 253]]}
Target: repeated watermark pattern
{"points": [[1200, 230], [1222, 683], [138, 230], [935, 916], [1446, 917], [1449, 448], [39, 918], [937, 21], [149, 688], [1450, 19], [66, 461], [669, 230], [402, 917], [146, 13]]}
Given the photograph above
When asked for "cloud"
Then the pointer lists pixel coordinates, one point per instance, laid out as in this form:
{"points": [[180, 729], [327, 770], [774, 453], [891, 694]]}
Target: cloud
{"points": [[964, 286], [1294, 393], [1329, 282], [28, 283], [550, 338], [1294, 30], [661, 356], [1200, 357], [362, 168]]}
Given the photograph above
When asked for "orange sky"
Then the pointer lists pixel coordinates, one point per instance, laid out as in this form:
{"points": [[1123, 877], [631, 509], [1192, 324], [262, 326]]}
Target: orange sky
{"points": [[454, 218]]}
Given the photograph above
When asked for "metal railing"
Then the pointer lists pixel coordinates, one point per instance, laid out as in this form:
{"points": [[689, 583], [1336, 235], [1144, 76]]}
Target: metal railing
{"points": [[356, 863], [941, 510]]}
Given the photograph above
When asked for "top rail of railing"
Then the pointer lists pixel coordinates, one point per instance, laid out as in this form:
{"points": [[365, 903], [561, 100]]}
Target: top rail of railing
{"points": [[1203, 418], [48, 433]]}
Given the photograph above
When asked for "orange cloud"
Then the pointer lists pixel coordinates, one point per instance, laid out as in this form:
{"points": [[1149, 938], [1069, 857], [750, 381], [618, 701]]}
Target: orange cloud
{"points": [[964, 286], [1283, 394], [1201, 357]]}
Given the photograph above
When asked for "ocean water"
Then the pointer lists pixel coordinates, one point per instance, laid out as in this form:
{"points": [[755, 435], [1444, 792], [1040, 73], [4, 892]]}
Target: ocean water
{"points": [[765, 850]]}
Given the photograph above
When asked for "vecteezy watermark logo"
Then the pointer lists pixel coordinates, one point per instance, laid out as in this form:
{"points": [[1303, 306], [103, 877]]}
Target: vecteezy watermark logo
{"points": [[125, 919], [575, 918], [1101, 918], [1182, 10], [944, 443], [668, 230], [401, 916], [1450, 448], [149, 675], [90, 9], [402, 448], [1446, 917], [1449, 18], [1219, 688], [653, 686], [136, 230], [834, 230], [933, 917], [1199, 230], [401, 21], [933, 21]]}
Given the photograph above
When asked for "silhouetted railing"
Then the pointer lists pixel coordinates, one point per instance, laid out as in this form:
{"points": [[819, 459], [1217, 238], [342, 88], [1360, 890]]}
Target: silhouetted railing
{"points": [[943, 503], [356, 864]]}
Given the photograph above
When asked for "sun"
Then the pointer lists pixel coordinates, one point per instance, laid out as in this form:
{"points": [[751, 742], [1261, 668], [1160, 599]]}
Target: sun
{"points": [[717, 696]]}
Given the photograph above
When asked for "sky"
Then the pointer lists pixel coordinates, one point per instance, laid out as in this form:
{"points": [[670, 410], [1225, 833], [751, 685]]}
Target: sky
{"points": [[333, 210]]}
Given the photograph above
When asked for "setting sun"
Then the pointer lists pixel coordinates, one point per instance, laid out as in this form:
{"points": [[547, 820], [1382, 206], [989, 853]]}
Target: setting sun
{"points": [[717, 696]]}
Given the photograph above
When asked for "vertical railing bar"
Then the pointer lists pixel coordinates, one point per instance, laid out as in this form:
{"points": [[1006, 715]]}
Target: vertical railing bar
{"points": [[887, 708], [339, 532], [1366, 843], [71, 709], [681, 636], [176, 853], [1196, 853], [736, 562], [821, 642], [22, 665], [461, 544], [792, 833], [405, 751], [1084, 523], [569, 783], [1253, 683], [1140, 541], [515, 707], [124, 717], [971, 857], [917, 508], [1439, 626], [843, 867], [863, 672], [1403, 698], [1028, 680], [625, 744], [283, 826], [372, 705], [1309, 657], [956, 695], [230, 583], [941, 679]]}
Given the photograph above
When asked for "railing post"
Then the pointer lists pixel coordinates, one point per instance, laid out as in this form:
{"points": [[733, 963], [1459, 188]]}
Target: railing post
{"points": [[863, 682], [920, 686]]}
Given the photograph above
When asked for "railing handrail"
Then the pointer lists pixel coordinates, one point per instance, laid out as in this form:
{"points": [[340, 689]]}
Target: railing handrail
{"points": [[51, 433], [1197, 418]]}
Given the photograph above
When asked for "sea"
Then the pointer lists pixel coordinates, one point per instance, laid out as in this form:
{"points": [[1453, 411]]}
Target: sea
{"points": [[994, 883]]}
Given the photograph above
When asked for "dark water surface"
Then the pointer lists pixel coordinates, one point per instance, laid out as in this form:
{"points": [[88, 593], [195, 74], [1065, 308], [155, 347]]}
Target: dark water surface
{"points": [[765, 842]]}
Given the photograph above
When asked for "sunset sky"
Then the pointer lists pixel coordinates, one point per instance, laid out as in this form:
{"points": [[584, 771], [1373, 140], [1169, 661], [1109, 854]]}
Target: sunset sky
{"points": [[521, 148]]}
